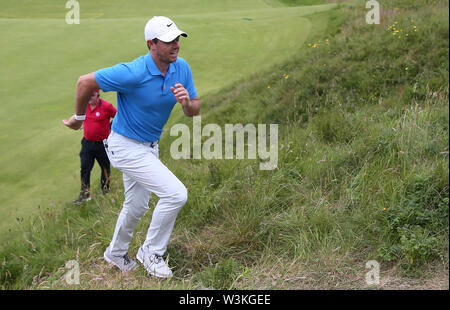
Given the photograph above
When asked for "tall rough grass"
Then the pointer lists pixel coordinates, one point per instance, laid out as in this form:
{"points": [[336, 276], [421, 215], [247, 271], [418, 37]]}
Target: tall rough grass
{"points": [[362, 171]]}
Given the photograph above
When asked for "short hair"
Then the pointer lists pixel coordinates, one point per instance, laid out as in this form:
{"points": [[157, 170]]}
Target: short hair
{"points": [[155, 40]]}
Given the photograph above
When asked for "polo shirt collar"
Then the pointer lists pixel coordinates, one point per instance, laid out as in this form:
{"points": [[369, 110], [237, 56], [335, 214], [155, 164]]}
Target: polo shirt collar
{"points": [[151, 66]]}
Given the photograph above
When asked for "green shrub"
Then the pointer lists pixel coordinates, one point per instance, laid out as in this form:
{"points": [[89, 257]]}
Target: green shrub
{"points": [[413, 226]]}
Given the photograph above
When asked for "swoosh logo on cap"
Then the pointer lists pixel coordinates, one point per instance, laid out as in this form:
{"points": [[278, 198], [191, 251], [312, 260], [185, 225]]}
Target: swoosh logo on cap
{"points": [[169, 25]]}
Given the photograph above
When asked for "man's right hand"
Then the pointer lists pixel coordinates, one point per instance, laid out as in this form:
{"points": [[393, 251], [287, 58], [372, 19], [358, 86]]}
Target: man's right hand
{"points": [[72, 123]]}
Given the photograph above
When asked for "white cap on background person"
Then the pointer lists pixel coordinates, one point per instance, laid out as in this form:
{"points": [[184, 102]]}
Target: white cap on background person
{"points": [[162, 28]]}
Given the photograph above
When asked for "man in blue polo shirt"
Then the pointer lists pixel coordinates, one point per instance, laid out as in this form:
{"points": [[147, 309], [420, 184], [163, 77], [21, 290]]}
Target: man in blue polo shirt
{"points": [[147, 90]]}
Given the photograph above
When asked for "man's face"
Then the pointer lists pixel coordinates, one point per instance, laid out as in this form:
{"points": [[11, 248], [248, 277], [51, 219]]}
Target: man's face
{"points": [[94, 98], [167, 52]]}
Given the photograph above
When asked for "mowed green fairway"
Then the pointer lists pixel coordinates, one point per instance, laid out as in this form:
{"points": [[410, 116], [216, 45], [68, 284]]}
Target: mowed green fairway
{"points": [[41, 58]]}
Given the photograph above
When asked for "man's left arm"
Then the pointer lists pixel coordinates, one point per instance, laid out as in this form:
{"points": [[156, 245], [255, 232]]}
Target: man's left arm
{"points": [[191, 107], [112, 111]]}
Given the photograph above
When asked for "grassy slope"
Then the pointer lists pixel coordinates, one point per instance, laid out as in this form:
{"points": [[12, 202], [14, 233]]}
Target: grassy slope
{"points": [[363, 174], [39, 158]]}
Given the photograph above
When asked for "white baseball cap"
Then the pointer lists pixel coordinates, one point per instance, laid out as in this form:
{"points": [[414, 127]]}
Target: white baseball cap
{"points": [[162, 28]]}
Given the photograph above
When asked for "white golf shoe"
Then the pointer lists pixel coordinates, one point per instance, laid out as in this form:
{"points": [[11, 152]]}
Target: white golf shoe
{"points": [[124, 263], [154, 264]]}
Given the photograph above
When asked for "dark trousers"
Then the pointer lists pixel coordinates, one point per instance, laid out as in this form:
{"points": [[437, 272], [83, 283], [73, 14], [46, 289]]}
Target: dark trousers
{"points": [[91, 151]]}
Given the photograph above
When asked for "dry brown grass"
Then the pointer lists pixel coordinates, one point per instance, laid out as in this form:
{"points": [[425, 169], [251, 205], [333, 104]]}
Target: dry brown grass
{"points": [[335, 275], [99, 275]]}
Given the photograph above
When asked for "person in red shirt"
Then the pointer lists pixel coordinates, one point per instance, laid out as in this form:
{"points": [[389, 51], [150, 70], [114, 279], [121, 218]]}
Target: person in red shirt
{"points": [[96, 127]]}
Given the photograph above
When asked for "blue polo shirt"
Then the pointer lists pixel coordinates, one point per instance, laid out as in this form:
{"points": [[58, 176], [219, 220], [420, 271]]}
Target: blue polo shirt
{"points": [[144, 98]]}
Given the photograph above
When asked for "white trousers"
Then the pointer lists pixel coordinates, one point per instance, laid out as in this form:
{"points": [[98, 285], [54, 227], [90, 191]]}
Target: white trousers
{"points": [[143, 174]]}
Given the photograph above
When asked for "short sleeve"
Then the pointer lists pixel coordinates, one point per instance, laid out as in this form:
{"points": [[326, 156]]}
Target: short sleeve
{"points": [[119, 78]]}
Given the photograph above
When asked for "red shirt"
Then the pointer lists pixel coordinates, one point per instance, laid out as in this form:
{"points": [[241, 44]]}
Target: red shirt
{"points": [[97, 125]]}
